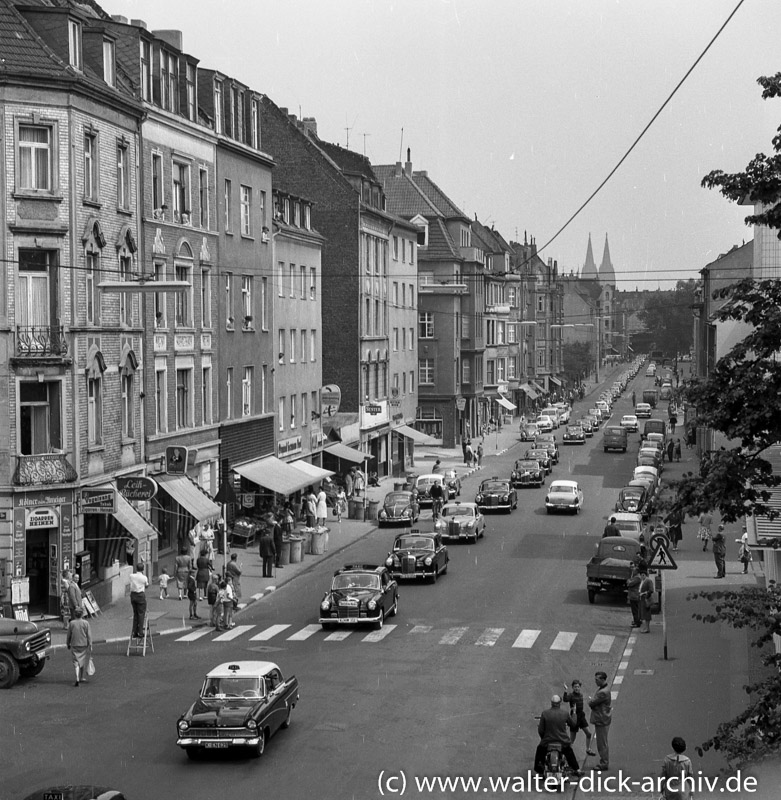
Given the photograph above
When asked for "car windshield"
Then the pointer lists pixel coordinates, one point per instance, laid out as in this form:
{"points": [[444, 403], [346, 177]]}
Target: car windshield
{"points": [[562, 488], [634, 492], [574, 429], [494, 486], [427, 483], [397, 497], [626, 525], [414, 543], [528, 464], [356, 580], [233, 687], [539, 453], [458, 511]]}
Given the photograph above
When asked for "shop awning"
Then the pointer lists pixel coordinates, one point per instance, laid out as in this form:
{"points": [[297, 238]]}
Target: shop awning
{"points": [[530, 392], [417, 436], [137, 526], [540, 389], [631, 349], [271, 473], [347, 453], [555, 380], [315, 473], [505, 403], [190, 496]]}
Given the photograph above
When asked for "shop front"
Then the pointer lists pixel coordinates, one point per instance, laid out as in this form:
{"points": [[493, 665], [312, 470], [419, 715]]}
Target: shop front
{"points": [[179, 505]]}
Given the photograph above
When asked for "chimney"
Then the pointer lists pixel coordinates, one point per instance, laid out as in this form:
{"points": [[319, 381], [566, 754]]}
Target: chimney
{"points": [[408, 165], [119, 18], [293, 119], [172, 37], [283, 111], [138, 23], [310, 125], [398, 171]]}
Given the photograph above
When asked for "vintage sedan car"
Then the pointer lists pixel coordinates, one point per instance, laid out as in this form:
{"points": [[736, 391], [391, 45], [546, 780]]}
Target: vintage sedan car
{"points": [[360, 594], [564, 496], [242, 704], [461, 521], [399, 508], [527, 472], [633, 499], [564, 412], [548, 441], [650, 457], [643, 410], [629, 421], [542, 455], [630, 525], [652, 474], [545, 423], [496, 493], [587, 423], [574, 434], [453, 484], [418, 555], [597, 415], [423, 484], [529, 431]]}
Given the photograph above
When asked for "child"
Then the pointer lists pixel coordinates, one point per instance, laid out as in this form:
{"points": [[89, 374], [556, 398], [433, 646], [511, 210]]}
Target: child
{"points": [[163, 581], [677, 766], [575, 700]]}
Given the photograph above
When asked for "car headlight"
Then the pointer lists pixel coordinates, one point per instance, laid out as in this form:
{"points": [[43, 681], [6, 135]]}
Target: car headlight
{"points": [[182, 725], [470, 524], [27, 646], [479, 498], [407, 512], [371, 605], [252, 724], [505, 498], [383, 514], [428, 561], [440, 523], [325, 605], [388, 562]]}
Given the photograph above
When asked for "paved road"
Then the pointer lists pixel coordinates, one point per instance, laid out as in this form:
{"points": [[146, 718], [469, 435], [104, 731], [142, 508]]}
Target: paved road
{"points": [[449, 688]]}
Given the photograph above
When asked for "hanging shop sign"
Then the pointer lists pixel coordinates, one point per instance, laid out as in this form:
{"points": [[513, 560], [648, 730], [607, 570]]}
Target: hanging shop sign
{"points": [[330, 400], [98, 501], [136, 488], [41, 518]]}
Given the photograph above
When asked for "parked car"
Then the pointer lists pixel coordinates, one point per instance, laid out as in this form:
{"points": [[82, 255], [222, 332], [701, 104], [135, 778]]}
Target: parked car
{"points": [[553, 413], [399, 507], [610, 567], [461, 521], [629, 421], [564, 495], [564, 412], [634, 499], [630, 525], [643, 410], [527, 472], [496, 493], [542, 455], [574, 434], [529, 431], [654, 426], [418, 555], [649, 457], [359, 594], [24, 648], [241, 704]]}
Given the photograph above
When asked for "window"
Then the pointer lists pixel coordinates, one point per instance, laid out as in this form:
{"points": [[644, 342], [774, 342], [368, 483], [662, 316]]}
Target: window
{"points": [[206, 297], [303, 346], [203, 198], [146, 71], [466, 326], [181, 192], [297, 214], [511, 369], [246, 211], [229, 393], [158, 195], [170, 82], [540, 358], [281, 279], [160, 301], [304, 410], [246, 392], [125, 298], [91, 166], [92, 276], [490, 371], [109, 63], [313, 345], [281, 345], [403, 383], [206, 392], [312, 283], [403, 295], [184, 386], [281, 414], [255, 124], [412, 295], [500, 330], [411, 381], [263, 389], [263, 209], [123, 176], [127, 405], [264, 304], [426, 371], [292, 346], [395, 339], [161, 400], [292, 280], [229, 300], [227, 202], [94, 411], [411, 338], [35, 157], [218, 107], [466, 371], [303, 283], [395, 293], [308, 217], [395, 248], [246, 300], [184, 315], [403, 338], [192, 109], [425, 325], [512, 333], [292, 411], [540, 302], [74, 44], [286, 210], [501, 373]]}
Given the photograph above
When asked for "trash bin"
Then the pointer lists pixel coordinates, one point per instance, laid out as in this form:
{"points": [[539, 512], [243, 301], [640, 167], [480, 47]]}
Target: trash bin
{"points": [[317, 542], [398, 486], [371, 511], [359, 510], [351, 506], [296, 549], [284, 552]]}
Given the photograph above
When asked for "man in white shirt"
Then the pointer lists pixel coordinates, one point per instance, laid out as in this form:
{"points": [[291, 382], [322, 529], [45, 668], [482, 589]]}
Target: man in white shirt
{"points": [[138, 584]]}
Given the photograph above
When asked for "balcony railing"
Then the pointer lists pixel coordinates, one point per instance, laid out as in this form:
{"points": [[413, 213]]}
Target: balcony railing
{"points": [[40, 341], [43, 469]]}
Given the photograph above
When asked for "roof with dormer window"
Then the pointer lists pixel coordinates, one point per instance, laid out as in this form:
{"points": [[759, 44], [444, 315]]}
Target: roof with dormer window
{"points": [[441, 246]]}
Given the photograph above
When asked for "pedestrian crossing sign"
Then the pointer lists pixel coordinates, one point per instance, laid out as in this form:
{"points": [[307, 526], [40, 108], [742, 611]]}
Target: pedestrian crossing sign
{"points": [[662, 559]]}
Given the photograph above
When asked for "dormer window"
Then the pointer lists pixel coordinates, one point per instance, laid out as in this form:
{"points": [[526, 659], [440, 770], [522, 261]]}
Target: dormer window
{"points": [[109, 63], [218, 107], [74, 44], [308, 217], [297, 214], [286, 210]]}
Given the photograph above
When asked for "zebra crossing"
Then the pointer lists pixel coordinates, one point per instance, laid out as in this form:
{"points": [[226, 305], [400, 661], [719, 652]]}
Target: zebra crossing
{"points": [[526, 639]]}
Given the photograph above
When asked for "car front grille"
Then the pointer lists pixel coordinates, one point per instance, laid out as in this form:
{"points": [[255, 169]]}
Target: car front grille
{"points": [[408, 565], [218, 733], [350, 611], [40, 641]]}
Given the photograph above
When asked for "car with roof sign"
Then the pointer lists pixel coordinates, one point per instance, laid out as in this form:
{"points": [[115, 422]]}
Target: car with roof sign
{"points": [[496, 494], [461, 521], [418, 555], [527, 472], [360, 594]]}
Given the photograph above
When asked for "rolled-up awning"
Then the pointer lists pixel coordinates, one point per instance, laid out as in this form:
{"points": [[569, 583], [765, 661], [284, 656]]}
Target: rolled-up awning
{"points": [[314, 472], [190, 496], [554, 379], [505, 403], [347, 453], [138, 526], [529, 390], [417, 436], [271, 473], [540, 389]]}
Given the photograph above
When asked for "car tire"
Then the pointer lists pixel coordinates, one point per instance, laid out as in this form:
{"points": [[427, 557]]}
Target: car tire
{"points": [[395, 609], [592, 596], [193, 753], [31, 670], [260, 748], [9, 671], [444, 569], [434, 576], [380, 621], [286, 723]]}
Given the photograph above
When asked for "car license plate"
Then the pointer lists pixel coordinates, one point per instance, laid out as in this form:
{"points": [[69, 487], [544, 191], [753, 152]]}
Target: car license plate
{"points": [[404, 575], [216, 745]]}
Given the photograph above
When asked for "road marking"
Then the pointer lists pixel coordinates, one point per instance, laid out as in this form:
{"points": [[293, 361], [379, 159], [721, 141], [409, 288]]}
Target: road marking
{"points": [[618, 679], [267, 634], [563, 640], [453, 635], [338, 636], [527, 638], [233, 633], [377, 636], [601, 644], [489, 637], [421, 629], [304, 633], [196, 634]]}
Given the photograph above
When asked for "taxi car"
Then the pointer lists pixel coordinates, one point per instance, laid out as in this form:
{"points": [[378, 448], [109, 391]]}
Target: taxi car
{"points": [[241, 704], [527, 472], [461, 521], [548, 441], [643, 410], [496, 493], [417, 555], [629, 421], [574, 434], [564, 496], [399, 507], [529, 431], [542, 455], [359, 593]]}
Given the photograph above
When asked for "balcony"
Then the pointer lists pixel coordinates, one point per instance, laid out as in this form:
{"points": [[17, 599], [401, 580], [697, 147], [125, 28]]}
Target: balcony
{"points": [[41, 341], [43, 469], [443, 287]]}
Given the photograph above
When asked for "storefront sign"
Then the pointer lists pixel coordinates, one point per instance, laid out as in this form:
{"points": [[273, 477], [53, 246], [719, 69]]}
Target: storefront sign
{"points": [[136, 488], [41, 518], [461, 403], [98, 501], [19, 542], [372, 409], [288, 446], [66, 535], [330, 400], [43, 498]]}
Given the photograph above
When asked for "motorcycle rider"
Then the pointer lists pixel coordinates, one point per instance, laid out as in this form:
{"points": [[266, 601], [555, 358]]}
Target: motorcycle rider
{"points": [[556, 726]]}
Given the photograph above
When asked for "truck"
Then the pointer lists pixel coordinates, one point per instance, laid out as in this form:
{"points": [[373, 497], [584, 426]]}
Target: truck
{"points": [[651, 396], [609, 568], [24, 648]]}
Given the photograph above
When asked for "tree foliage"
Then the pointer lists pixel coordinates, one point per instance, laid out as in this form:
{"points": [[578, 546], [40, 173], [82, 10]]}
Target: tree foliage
{"points": [[668, 316], [577, 359]]}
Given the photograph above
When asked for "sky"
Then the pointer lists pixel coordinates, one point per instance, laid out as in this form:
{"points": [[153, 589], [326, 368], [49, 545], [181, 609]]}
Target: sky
{"points": [[519, 109]]}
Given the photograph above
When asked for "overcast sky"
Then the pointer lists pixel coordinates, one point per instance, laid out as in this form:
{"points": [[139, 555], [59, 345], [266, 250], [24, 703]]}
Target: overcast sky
{"points": [[518, 109]]}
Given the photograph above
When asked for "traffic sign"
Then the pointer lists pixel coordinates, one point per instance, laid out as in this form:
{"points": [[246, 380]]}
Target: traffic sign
{"points": [[662, 559], [659, 539]]}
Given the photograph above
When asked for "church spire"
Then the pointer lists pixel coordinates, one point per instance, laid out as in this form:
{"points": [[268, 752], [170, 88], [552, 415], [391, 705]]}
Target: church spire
{"points": [[589, 271], [606, 274]]}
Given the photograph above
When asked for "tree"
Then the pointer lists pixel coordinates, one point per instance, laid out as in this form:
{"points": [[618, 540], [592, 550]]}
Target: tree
{"points": [[667, 315], [576, 360]]}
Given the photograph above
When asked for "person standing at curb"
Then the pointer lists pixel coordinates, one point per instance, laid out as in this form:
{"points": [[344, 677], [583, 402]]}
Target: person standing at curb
{"points": [[348, 483], [65, 610], [601, 717], [633, 593], [720, 552], [575, 699], [202, 572], [744, 552], [267, 551], [79, 641], [138, 584], [227, 605], [646, 598], [321, 507], [675, 768], [212, 590], [310, 508], [341, 504], [74, 594], [479, 454], [233, 571], [182, 566], [276, 533], [192, 594]]}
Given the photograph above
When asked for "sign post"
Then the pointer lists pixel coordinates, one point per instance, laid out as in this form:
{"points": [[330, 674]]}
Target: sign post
{"points": [[662, 560]]}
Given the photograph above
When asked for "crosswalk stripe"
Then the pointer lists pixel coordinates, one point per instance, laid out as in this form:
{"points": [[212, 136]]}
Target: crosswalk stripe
{"points": [[233, 633], [453, 635], [563, 641], [527, 638], [489, 637], [304, 633], [193, 635], [338, 636], [601, 644], [376, 636], [421, 629], [267, 634]]}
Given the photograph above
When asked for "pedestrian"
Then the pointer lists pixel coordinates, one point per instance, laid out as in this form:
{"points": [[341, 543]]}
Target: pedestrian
{"points": [[480, 454], [575, 699], [677, 773], [601, 717], [310, 507], [207, 542], [348, 483], [674, 520], [359, 482], [646, 598], [228, 605], [65, 611], [611, 529], [677, 451], [215, 609], [203, 571], [673, 422], [633, 593], [79, 641], [744, 552], [464, 443], [437, 466], [705, 519], [192, 593], [670, 450], [194, 540], [220, 603], [163, 579], [278, 536], [634, 399], [341, 504], [138, 584], [182, 565], [720, 552], [321, 509], [233, 570], [74, 594], [470, 454], [267, 551]]}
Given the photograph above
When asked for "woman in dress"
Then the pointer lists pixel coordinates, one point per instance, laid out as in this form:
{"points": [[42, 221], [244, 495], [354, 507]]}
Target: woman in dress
{"points": [[79, 642], [203, 572], [183, 564], [321, 510]]}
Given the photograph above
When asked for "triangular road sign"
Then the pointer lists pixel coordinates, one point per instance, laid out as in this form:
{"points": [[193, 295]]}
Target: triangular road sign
{"points": [[662, 559]]}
